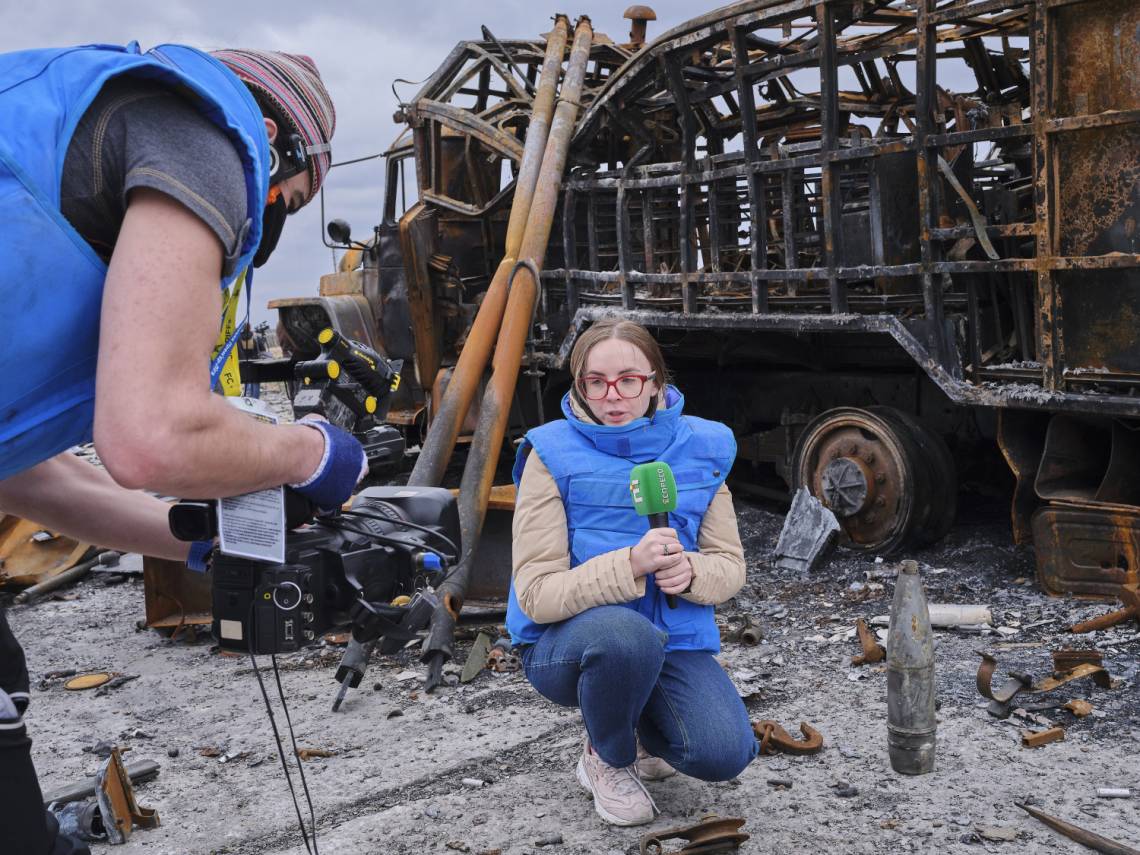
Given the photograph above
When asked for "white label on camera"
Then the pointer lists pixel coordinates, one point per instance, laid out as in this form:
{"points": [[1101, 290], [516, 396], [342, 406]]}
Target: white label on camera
{"points": [[254, 407], [230, 629], [405, 494], [253, 525]]}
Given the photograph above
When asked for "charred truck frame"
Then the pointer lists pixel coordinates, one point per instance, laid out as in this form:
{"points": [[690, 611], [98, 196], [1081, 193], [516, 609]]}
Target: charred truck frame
{"points": [[872, 235]]}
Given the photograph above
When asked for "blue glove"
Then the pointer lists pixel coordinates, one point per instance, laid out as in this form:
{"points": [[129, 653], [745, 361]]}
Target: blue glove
{"points": [[342, 466], [198, 557]]}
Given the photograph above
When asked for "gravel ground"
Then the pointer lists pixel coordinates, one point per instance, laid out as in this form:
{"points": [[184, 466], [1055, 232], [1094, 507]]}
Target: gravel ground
{"points": [[488, 766]]}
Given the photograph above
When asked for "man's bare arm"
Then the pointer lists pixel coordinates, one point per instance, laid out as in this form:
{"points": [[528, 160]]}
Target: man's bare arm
{"points": [[157, 425], [70, 496]]}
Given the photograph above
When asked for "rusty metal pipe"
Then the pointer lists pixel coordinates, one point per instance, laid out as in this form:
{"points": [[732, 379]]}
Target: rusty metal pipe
{"points": [[1083, 836], [483, 457], [451, 410]]}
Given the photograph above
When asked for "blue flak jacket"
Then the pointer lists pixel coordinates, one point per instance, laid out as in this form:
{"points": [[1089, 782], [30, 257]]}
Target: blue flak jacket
{"points": [[51, 281], [591, 463]]}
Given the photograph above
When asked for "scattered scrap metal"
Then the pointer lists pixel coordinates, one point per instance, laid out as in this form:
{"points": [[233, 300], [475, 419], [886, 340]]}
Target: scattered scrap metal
{"points": [[498, 657], [30, 554], [114, 813], [711, 835], [1001, 699], [66, 577]]}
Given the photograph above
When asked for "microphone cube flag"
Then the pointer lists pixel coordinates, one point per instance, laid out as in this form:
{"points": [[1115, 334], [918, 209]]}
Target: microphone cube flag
{"points": [[653, 488]]}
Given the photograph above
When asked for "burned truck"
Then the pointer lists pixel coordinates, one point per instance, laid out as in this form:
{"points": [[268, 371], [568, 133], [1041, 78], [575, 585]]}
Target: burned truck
{"points": [[875, 238]]}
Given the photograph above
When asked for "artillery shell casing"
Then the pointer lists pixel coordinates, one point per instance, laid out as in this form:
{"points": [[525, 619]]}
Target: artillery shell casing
{"points": [[911, 721]]}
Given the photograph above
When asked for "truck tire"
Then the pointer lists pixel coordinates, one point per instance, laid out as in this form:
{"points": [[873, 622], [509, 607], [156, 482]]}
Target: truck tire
{"points": [[882, 473]]}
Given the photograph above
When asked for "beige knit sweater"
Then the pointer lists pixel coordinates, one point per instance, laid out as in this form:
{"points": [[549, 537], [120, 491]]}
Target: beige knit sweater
{"points": [[547, 592]]}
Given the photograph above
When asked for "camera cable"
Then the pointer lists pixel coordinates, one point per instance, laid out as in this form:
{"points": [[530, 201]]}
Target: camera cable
{"points": [[406, 524], [394, 541], [281, 750], [383, 538]]}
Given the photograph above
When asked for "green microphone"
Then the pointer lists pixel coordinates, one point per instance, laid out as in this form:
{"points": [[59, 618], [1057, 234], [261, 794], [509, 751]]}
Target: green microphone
{"points": [[654, 492]]}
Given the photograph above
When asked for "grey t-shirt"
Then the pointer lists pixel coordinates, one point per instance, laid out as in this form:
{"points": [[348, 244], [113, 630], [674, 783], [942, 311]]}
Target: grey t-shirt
{"points": [[139, 133]]}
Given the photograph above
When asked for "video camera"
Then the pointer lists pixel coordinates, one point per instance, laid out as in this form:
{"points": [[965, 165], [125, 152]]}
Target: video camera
{"points": [[371, 566], [394, 542], [351, 385]]}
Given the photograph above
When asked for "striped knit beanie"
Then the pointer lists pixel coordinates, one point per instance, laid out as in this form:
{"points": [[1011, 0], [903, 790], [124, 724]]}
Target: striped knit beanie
{"points": [[290, 85]]}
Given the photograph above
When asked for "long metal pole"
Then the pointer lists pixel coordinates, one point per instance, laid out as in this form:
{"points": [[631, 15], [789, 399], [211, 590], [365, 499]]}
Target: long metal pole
{"points": [[74, 574], [440, 441], [483, 457]]}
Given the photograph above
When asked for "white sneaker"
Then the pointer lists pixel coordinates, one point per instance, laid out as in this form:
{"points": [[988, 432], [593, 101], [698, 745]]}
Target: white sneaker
{"points": [[619, 796], [650, 768]]}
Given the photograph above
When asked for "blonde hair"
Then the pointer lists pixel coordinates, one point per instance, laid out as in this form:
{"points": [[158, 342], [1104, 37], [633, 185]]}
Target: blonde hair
{"points": [[627, 331]]}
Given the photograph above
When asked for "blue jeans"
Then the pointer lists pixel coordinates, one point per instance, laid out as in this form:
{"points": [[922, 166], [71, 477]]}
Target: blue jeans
{"points": [[611, 662]]}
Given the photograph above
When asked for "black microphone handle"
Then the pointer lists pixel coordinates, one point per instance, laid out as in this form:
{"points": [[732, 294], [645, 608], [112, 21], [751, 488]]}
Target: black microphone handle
{"points": [[662, 521]]}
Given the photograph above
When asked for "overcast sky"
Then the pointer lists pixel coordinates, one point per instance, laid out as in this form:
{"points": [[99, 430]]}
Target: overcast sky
{"points": [[359, 47]]}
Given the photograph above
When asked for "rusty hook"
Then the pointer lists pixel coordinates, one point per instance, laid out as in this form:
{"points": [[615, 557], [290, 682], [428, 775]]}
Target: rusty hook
{"points": [[774, 739]]}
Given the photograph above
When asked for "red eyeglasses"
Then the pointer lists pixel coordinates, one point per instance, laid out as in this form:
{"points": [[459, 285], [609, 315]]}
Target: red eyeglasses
{"points": [[595, 387]]}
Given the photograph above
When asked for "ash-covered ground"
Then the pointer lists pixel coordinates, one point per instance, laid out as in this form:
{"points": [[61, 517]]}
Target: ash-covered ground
{"points": [[488, 766]]}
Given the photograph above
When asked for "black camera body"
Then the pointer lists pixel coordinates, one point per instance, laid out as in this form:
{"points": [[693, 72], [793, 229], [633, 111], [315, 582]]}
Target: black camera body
{"points": [[342, 570]]}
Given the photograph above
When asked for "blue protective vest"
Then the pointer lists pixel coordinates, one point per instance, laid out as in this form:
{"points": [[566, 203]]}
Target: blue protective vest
{"points": [[51, 281], [591, 464]]}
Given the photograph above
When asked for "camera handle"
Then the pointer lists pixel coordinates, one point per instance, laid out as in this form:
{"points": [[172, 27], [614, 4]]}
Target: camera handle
{"points": [[372, 623]]}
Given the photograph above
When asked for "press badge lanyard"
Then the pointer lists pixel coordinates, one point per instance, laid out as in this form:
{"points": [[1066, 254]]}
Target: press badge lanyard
{"points": [[224, 364]]}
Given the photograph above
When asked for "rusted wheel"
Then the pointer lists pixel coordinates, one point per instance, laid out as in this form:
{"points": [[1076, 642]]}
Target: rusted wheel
{"points": [[942, 497], [865, 468]]}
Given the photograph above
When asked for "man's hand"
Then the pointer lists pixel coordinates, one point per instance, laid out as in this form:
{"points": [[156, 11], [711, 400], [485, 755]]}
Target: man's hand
{"points": [[660, 552]]}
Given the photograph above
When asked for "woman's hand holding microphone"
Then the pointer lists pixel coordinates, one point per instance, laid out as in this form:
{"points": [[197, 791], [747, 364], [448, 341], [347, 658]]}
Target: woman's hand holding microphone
{"points": [[660, 552]]}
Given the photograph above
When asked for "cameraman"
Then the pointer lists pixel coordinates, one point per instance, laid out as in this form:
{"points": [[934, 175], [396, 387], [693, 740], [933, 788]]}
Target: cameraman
{"points": [[132, 185]]}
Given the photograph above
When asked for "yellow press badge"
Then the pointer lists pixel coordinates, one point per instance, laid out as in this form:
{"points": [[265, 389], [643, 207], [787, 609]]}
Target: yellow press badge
{"points": [[230, 377]]}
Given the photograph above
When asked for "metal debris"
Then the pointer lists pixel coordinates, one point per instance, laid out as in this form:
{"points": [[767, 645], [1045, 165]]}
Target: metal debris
{"points": [[1114, 792], [1066, 660], [121, 813], [996, 833], [502, 658], [872, 650], [311, 753], [1078, 707], [711, 835], [1130, 596], [476, 659], [1075, 832], [88, 681], [1037, 738], [27, 557], [140, 770], [1001, 699], [809, 533], [114, 683], [775, 740], [67, 577], [752, 633]]}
